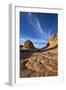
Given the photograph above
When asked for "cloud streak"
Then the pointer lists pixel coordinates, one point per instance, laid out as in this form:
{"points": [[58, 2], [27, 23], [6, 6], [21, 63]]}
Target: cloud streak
{"points": [[37, 28], [34, 21]]}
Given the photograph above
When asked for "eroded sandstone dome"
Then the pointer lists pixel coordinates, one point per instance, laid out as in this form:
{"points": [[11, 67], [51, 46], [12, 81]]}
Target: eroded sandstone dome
{"points": [[28, 44]]}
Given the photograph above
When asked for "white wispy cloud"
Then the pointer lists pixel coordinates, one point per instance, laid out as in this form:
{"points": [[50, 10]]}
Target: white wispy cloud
{"points": [[34, 21], [39, 28]]}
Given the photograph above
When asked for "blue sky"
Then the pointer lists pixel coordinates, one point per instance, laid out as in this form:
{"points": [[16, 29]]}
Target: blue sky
{"points": [[37, 27]]}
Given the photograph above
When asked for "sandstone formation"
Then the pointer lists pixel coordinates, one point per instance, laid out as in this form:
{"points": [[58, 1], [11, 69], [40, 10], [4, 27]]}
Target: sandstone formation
{"points": [[43, 62], [53, 41], [27, 45]]}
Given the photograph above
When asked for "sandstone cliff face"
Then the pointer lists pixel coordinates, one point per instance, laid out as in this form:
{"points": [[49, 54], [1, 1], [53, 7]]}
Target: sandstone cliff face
{"points": [[53, 41]]}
